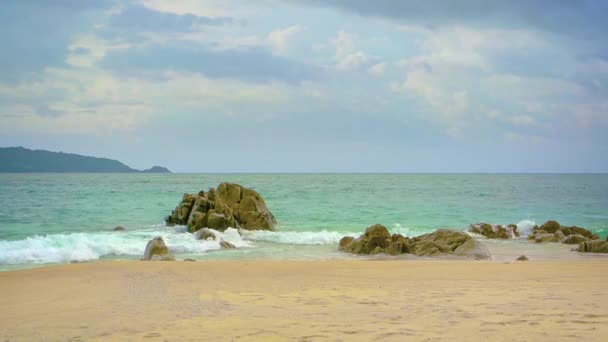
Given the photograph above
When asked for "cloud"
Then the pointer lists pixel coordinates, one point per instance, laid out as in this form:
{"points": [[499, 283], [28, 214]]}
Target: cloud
{"points": [[139, 18], [280, 39], [378, 69], [583, 18], [347, 57], [36, 34], [252, 65]]}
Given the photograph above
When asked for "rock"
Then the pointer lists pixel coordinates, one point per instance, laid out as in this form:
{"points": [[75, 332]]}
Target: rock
{"points": [[377, 239], [596, 246], [574, 239], [522, 258], [494, 231], [345, 241], [119, 229], [189, 259], [157, 250], [205, 234], [560, 233], [226, 244], [559, 236], [551, 226], [228, 206], [448, 242], [544, 237]]}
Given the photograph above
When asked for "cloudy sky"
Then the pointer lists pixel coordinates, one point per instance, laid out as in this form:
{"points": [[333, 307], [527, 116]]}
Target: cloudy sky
{"points": [[310, 85]]}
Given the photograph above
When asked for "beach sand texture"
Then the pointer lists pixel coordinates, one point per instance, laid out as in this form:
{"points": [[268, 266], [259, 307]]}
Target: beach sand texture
{"points": [[361, 300]]}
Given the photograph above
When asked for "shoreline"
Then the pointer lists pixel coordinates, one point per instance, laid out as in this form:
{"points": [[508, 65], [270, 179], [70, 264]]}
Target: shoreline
{"points": [[385, 299]]}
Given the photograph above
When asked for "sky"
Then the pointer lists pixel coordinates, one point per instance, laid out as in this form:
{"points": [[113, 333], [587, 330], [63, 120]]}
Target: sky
{"points": [[310, 85]]}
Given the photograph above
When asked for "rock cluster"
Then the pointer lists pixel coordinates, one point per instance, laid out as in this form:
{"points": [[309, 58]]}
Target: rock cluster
{"points": [[552, 231], [377, 239], [494, 231], [229, 205], [157, 250]]}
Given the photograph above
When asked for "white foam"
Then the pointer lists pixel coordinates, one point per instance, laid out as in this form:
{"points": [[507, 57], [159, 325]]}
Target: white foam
{"points": [[56, 248], [323, 237]]}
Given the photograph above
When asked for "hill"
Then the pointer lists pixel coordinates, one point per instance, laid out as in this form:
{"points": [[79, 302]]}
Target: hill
{"points": [[19, 159]]}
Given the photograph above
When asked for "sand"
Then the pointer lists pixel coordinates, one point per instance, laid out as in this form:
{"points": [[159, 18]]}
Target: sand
{"points": [[414, 300]]}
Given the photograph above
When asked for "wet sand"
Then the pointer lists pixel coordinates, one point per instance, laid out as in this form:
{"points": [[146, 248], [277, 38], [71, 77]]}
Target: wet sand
{"points": [[388, 300]]}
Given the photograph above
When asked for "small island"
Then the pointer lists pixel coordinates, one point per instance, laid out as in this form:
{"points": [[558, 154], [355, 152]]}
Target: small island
{"points": [[23, 160]]}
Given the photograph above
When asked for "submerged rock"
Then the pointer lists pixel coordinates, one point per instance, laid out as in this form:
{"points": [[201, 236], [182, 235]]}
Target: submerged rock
{"points": [[494, 231], [119, 229], [226, 244], [377, 239], [596, 246], [552, 231], [228, 206], [205, 234], [156, 249]]}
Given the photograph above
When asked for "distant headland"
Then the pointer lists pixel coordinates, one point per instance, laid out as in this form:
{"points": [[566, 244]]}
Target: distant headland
{"points": [[21, 160]]}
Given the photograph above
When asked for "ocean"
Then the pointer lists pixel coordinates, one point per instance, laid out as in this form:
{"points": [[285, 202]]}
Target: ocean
{"points": [[61, 218]]}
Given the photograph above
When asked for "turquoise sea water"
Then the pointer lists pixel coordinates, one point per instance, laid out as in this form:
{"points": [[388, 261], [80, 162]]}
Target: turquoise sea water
{"points": [[58, 218]]}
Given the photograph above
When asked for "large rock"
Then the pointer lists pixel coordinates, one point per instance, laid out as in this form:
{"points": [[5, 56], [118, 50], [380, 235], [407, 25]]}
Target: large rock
{"points": [[552, 231], [596, 246], [228, 206], [377, 239], [156, 249], [494, 231]]}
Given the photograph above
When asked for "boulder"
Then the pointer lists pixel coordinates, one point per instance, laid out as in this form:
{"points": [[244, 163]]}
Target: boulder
{"points": [[448, 242], [596, 246], [377, 239], [345, 241], [205, 234], [157, 250], [522, 258], [119, 229], [228, 206], [552, 231], [494, 231], [574, 239], [226, 244]]}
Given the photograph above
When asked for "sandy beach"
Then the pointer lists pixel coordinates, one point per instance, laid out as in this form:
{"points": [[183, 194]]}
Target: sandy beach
{"points": [[426, 300]]}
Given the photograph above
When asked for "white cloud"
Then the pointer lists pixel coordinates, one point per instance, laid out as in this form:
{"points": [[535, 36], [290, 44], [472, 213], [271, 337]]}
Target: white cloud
{"points": [[353, 61], [87, 50], [378, 69], [347, 57], [344, 44], [280, 39]]}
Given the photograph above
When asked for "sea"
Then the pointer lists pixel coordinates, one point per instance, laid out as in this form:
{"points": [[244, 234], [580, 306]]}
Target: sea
{"points": [[48, 219]]}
